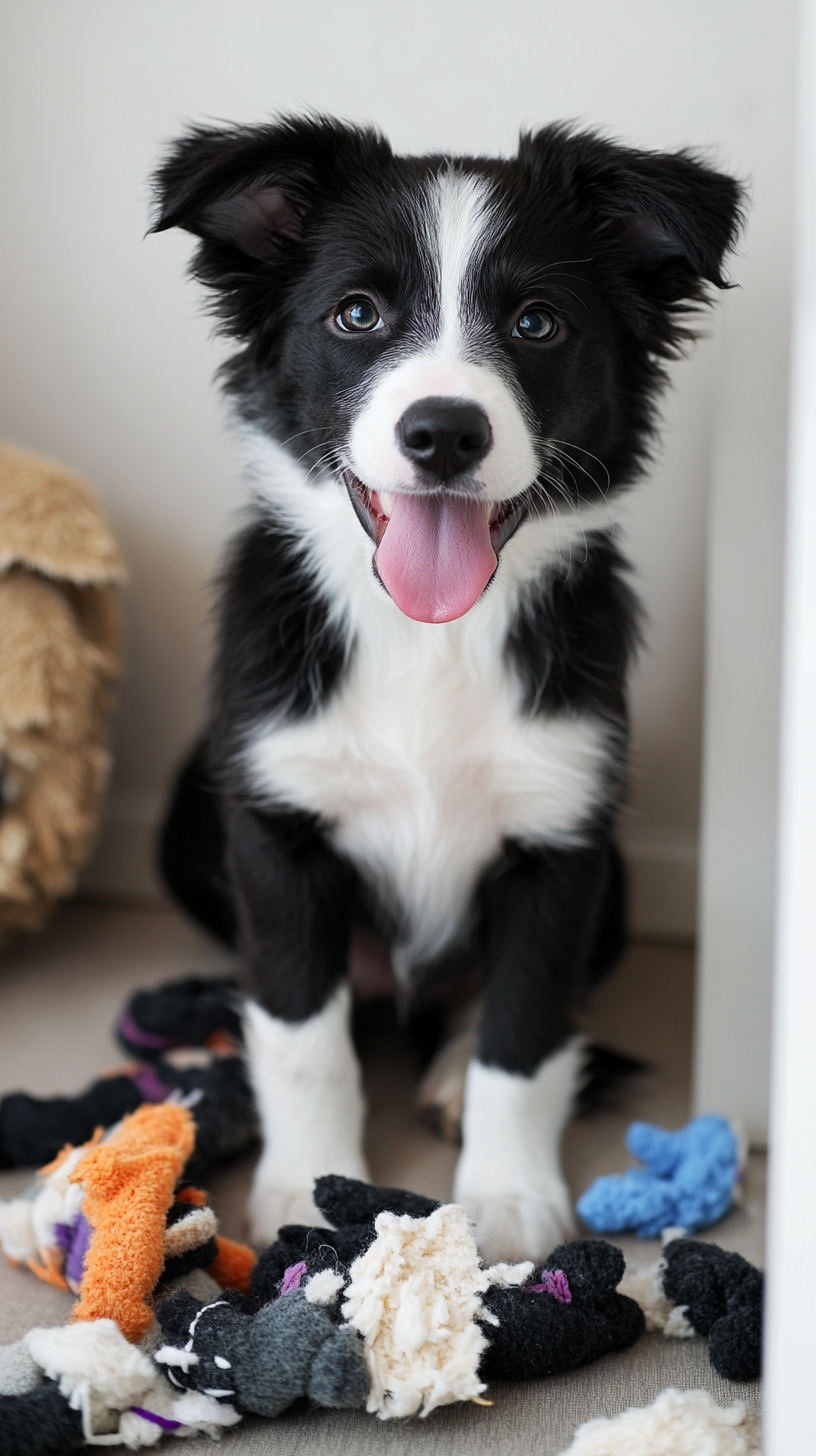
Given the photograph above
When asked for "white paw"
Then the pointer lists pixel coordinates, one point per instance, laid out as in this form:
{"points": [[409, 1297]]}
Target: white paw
{"points": [[271, 1206], [516, 1226]]}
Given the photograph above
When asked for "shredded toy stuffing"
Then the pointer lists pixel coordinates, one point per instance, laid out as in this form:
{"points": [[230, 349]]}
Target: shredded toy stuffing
{"points": [[178, 1330], [91, 1387], [678, 1423], [645, 1286], [414, 1296]]}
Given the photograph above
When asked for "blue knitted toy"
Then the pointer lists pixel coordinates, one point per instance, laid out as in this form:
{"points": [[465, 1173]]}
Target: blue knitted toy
{"points": [[688, 1180]]}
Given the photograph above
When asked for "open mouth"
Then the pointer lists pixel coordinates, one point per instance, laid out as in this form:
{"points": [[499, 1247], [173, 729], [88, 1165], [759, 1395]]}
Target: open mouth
{"points": [[435, 553]]}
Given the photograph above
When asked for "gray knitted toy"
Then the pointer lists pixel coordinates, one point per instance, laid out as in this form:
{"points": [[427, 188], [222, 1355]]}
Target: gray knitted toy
{"points": [[262, 1362]]}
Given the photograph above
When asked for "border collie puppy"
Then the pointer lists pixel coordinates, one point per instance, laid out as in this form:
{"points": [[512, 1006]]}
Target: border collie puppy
{"points": [[445, 368]]}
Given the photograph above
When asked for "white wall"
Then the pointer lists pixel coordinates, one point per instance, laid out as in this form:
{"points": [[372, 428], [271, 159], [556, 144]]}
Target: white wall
{"points": [[107, 363]]}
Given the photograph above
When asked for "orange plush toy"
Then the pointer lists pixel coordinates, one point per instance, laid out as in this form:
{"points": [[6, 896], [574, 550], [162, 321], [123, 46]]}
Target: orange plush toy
{"points": [[109, 1220], [129, 1184]]}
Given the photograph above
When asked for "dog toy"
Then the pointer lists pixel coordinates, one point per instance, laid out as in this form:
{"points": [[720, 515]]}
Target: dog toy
{"points": [[187, 1035], [63, 1388], [111, 1222], [196, 1011], [689, 1180], [33, 1130], [59, 570], [678, 1423], [262, 1362], [432, 1322], [700, 1289]]}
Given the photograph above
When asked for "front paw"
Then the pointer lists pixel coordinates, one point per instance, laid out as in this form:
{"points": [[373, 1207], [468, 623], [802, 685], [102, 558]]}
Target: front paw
{"points": [[515, 1226], [271, 1206]]}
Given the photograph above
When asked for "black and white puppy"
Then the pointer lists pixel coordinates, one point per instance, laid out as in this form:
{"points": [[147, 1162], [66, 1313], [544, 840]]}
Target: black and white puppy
{"points": [[446, 366]]}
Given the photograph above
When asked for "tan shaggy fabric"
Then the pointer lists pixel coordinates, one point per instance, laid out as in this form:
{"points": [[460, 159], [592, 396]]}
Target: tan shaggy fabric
{"points": [[59, 570]]}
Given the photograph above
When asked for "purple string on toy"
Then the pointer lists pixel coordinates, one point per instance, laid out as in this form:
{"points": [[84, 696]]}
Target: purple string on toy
{"points": [[74, 1238], [292, 1277], [147, 1081], [162, 1421], [153, 1039], [554, 1282]]}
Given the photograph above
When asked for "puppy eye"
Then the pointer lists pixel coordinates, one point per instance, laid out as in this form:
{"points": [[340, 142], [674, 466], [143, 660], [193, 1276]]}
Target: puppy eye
{"points": [[535, 323], [359, 317]]}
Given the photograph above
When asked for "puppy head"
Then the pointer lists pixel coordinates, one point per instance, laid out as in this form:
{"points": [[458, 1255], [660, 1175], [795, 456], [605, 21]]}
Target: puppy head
{"points": [[462, 343]]}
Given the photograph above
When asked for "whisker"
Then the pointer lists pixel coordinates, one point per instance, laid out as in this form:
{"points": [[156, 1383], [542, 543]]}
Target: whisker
{"points": [[543, 493], [312, 430], [562, 456], [559, 486], [551, 439]]}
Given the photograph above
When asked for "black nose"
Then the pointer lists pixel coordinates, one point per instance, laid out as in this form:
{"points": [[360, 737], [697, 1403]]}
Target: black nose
{"points": [[444, 436]]}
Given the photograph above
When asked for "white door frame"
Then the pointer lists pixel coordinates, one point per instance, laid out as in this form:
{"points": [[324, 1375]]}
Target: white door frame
{"points": [[791, 1324]]}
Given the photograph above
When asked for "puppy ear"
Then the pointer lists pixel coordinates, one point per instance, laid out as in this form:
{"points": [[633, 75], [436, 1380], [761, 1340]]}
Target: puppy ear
{"points": [[663, 222], [249, 193], [248, 189], [233, 188], [670, 220]]}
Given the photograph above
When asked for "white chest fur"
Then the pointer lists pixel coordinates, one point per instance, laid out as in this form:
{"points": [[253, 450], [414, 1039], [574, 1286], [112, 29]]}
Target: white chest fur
{"points": [[422, 764]]}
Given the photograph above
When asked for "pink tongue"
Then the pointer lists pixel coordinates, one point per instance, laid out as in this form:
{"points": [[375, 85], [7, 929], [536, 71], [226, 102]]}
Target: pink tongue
{"points": [[436, 557]]}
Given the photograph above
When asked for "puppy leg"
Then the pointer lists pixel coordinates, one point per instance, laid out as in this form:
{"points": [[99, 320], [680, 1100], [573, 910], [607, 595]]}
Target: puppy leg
{"points": [[441, 1093], [509, 1175], [307, 1084], [522, 1081], [295, 899]]}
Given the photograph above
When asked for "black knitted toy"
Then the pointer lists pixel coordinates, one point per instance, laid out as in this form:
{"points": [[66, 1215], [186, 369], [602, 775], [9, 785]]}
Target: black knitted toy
{"points": [[188, 1036], [533, 1337], [721, 1296], [196, 1011], [39, 1423], [397, 1259]]}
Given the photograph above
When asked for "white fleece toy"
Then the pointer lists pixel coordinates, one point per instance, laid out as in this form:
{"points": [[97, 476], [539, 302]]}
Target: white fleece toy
{"points": [[678, 1423]]}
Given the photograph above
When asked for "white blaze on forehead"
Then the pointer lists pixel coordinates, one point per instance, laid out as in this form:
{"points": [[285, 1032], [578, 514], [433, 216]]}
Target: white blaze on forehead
{"points": [[460, 221], [464, 220]]}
